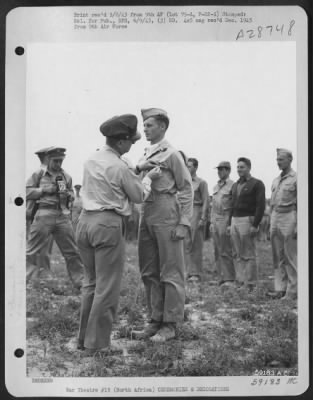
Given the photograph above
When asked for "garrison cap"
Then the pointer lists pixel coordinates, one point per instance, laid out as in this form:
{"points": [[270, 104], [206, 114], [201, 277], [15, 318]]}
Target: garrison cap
{"points": [[121, 126], [56, 152], [153, 112], [284, 152], [78, 186], [224, 164]]}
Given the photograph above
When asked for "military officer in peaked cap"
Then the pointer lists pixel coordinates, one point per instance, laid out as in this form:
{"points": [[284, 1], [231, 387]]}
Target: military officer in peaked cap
{"points": [[45, 254], [109, 186], [52, 188], [283, 227], [164, 224], [42, 155]]}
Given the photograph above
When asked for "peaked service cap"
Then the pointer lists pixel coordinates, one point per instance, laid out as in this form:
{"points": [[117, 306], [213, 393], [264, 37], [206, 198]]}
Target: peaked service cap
{"points": [[56, 152], [121, 126], [43, 151]]}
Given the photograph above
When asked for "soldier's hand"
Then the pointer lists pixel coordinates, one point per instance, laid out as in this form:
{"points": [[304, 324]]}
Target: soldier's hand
{"points": [[154, 173], [253, 230], [201, 223], [146, 165], [49, 188], [228, 231], [63, 194], [211, 229], [179, 232]]}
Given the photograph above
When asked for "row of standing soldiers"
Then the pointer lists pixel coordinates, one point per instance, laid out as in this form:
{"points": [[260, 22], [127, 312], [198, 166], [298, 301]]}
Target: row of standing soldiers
{"points": [[173, 214]]}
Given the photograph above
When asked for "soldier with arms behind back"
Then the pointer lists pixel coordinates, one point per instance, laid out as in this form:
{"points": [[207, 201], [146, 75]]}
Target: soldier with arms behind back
{"points": [[283, 228], [193, 243], [220, 212]]}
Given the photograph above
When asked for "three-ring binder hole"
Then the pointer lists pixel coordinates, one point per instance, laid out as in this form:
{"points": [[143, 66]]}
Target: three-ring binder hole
{"points": [[19, 50], [19, 353], [18, 201]]}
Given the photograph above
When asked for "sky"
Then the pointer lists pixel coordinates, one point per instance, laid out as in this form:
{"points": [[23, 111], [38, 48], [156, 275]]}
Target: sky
{"points": [[224, 100]]}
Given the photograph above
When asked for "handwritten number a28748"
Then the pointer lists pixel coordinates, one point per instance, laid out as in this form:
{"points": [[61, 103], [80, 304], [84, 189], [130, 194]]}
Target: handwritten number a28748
{"points": [[262, 31]]}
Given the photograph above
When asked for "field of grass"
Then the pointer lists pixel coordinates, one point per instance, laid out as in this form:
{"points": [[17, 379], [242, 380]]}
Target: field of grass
{"points": [[226, 332]]}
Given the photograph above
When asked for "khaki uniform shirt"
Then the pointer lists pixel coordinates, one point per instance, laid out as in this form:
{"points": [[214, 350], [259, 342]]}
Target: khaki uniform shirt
{"points": [[222, 198], [175, 177], [201, 194], [109, 183], [284, 192], [45, 177]]}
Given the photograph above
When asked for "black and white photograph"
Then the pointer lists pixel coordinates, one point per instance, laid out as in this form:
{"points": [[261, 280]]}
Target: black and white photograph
{"points": [[159, 203]]}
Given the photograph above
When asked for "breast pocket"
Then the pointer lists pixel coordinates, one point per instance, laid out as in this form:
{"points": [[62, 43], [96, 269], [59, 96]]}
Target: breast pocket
{"points": [[289, 193], [226, 200], [163, 182]]}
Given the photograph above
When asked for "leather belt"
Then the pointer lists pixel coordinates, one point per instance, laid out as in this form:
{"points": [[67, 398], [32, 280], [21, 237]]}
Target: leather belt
{"points": [[49, 207], [282, 209]]}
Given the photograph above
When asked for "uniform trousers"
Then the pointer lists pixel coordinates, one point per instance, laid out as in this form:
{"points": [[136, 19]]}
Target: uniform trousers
{"points": [[284, 248], [193, 244], [43, 259], [161, 259], [244, 245], [223, 248], [58, 225], [102, 247]]}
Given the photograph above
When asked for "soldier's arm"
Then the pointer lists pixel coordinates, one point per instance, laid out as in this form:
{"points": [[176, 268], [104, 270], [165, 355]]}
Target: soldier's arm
{"points": [[132, 185], [232, 193], [184, 186], [70, 191], [33, 191], [260, 203], [205, 199]]}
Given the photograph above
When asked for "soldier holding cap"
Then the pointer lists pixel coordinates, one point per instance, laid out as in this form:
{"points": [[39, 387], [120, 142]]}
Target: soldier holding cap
{"points": [[109, 187], [165, 220], [52, 189], [248, 204], [220, 212], [283, 227], [193, 243]]}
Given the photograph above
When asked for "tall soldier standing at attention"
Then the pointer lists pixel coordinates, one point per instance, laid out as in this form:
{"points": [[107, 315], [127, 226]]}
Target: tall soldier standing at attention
{"points": [[53, 191], [193, 243], [221, 209], [164, 224], [283, 227], [248, 204], [109, 186]]}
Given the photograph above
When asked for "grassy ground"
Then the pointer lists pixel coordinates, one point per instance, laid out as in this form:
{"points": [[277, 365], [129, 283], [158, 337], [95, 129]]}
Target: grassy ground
{"points": [[226, 332]]}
